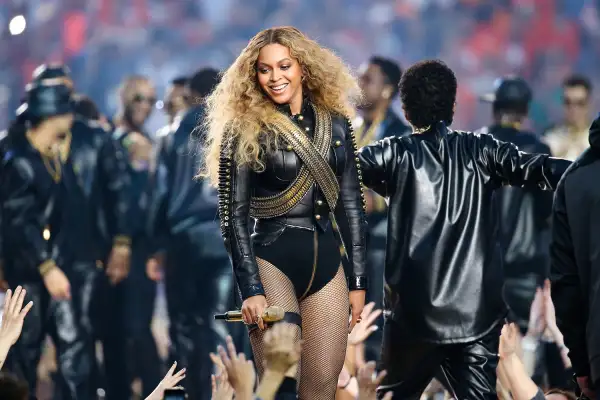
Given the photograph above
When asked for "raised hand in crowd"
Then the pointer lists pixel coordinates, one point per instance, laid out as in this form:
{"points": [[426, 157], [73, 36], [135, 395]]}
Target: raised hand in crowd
{"points": [[537, 316], [170, 381], [347, 386], [552, 333], [368, 381], [57, 284], [512, 372], [216, 359], [366, 327], [282, 353], [240, 372], [509, 342], [221, 389], [12, 320]]}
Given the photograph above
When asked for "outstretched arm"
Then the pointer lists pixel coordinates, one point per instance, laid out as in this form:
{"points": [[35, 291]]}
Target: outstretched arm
{"points": [[234, 212], [504, 161]]}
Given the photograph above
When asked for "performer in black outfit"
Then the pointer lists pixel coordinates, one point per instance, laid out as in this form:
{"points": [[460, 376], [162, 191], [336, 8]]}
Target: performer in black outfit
{"points": [[30, 197], [289, 178], [524, 222], [443, 299], [92, 210], [379, 83], [129, 346], [185, 232], [575, 263]]}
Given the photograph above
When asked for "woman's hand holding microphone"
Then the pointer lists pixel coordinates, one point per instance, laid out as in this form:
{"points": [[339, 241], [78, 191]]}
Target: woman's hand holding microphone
{"points": [[253, 309]]}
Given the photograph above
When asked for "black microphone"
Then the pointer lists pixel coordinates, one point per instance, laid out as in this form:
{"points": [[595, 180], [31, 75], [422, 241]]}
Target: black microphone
{"points": [[270, 314]]}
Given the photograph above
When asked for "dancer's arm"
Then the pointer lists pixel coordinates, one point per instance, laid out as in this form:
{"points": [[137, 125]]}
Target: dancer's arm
{"points": [[235, 186], [377, 163], [504, 162], [351, 193]]}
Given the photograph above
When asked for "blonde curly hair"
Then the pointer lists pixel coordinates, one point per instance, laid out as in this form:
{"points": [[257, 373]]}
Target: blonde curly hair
{"points": [[239, 109]]}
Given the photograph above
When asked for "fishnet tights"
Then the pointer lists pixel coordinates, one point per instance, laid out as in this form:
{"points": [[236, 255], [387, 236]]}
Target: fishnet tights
{"points": [[324, 330]]}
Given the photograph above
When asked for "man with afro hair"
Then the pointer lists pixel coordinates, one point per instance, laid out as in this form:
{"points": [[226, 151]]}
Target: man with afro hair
{"points": [[443, 275]]}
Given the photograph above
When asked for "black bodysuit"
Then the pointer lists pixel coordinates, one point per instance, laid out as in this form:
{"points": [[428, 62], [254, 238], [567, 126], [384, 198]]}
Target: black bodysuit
{"points": [[301, 242]]}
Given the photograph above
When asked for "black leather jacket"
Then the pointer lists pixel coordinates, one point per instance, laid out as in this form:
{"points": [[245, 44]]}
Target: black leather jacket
{"points": [[524, 213], [183, 207], [135, 194], [443, 263], [575, 259], [282, 167], [94, 180], [30, 216], [391, 125]]}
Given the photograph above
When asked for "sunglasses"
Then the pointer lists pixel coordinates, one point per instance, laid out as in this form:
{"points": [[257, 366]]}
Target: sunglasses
{"points": [[138, 98], [575, 102]]}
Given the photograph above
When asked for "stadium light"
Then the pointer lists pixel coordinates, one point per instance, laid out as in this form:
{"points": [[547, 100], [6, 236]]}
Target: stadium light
{"points": [[17, 25]]}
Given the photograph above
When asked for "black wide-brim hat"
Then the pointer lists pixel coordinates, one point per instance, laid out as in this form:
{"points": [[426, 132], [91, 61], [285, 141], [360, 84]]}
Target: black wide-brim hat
{"points": [[47, 98]]}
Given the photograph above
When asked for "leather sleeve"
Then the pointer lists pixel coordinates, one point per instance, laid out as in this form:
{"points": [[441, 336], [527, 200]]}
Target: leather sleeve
{"points": [[158, 196], [116, 182], [352, 196], [506, 163], [571, 315], [376, 163], [24, 219], [235, 185]]}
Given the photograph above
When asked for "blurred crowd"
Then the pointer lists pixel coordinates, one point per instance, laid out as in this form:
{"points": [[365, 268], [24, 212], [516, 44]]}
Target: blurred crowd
{"points": [[103, 41], [136, 61]]}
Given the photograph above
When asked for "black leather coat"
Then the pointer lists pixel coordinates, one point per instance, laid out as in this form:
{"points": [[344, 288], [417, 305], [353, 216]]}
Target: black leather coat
{"points": [[30, 216], [524, 214], [93, 183], [575, 259], [183, 207], [282, 167], [135, 193], [443, 263]]}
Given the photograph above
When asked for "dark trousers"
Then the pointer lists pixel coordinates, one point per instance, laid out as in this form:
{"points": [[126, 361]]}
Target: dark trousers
{"points": [[467, 370], [69, 325], [196, 288], [125, 317]]}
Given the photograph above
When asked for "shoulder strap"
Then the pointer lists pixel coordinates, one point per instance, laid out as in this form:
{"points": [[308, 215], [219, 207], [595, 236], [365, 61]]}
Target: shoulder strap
{"points": [[315, 159]]}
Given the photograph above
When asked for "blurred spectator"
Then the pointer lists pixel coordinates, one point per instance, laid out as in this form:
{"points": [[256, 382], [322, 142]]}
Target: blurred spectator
{"points": [[542, 40]]}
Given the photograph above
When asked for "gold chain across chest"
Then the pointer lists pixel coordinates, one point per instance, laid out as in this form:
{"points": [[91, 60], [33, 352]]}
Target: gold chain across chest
{"points": [[315, 153]]}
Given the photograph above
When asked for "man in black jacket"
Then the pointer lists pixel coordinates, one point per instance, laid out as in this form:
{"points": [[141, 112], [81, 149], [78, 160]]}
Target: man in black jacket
{"points": [[184, 229], [379, 82], [524, 221], [31, 228], [129, 347], [575, 263], [525, 213], [443, 269]]}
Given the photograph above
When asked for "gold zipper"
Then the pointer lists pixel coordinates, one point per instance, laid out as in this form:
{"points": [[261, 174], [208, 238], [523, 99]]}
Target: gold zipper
{"points": [[315, 261]]}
